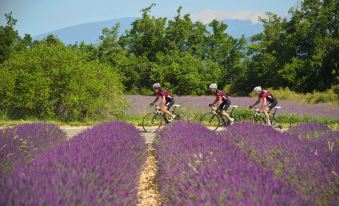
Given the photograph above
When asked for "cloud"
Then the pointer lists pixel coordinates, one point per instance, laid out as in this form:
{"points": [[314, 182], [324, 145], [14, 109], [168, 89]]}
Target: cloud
{"points": [[207, 16]]}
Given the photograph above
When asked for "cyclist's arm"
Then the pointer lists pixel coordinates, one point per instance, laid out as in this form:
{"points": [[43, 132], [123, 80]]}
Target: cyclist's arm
{"points": [[257, 102], [216, 101], [156, 99]]}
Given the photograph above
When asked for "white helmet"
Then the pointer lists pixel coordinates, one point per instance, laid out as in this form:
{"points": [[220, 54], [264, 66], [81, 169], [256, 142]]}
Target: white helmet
{"points": [[213, 86], [156, 86], [257, 89]]}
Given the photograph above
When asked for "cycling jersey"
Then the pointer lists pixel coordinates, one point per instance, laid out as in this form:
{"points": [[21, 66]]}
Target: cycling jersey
{"points": [[165, 93], [219, 94], [266, 95]]}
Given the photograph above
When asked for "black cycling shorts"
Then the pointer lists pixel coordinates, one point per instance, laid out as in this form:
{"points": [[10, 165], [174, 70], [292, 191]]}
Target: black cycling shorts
{"points": [[169, 103], [272, 104], [225, 105]]}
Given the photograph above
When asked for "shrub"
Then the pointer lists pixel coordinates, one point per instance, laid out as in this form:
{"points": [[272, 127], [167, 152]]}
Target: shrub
{"points": [[53, 81]]}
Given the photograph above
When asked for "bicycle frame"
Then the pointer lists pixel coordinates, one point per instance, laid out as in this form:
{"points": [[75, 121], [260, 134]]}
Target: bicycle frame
{"points": [[271, 116], [159, 111], [218, 112]]}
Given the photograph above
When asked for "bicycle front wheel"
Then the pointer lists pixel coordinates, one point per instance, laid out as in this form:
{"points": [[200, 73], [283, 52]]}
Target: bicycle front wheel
{"points": [[210, 120], [152, 122]]}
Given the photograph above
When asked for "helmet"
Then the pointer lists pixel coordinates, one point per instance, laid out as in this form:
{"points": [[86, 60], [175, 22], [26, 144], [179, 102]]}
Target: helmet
{"points": [[156, 86], [213, 86], [257, 89]]}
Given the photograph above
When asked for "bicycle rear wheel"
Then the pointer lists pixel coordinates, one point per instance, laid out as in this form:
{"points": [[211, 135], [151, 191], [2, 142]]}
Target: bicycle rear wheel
{"points": [[152, 122], [210, 120], [275, 125]]}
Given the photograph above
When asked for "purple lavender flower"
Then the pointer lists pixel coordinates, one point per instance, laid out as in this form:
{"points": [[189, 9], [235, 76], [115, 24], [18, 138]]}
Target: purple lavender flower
{"points": [[198, 167], [98, 167], [308, 130], [297, 162], [24, 142]]}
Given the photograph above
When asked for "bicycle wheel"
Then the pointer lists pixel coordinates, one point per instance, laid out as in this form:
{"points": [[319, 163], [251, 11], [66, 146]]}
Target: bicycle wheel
{"points": [[179, 116], [275, 125], [152, 122], [258, 119], [210, 120]]}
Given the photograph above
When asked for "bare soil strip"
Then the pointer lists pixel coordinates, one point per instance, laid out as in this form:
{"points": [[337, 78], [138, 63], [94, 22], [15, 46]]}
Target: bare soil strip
{"points": [[148, 194]]}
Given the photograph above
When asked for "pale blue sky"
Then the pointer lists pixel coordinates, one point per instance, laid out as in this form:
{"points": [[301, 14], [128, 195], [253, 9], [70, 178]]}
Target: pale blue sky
{"points": [[40, 16]]}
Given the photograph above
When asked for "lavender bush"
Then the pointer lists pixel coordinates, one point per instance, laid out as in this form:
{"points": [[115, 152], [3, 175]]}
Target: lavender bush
{"points": [[198, 167], [98, 167], [308, 130], [24, 142], [297, 162], [328, 151], [199, 104]]}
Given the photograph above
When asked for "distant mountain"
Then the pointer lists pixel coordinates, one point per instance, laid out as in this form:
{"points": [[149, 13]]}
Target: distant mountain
{"points": [[90, 32]]}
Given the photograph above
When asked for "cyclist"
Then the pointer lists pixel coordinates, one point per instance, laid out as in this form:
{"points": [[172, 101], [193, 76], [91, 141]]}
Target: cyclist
{"points": [[269, 102], [166, 100], [222, 101]]}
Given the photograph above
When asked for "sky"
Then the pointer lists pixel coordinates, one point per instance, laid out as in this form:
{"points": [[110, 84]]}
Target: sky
{"points": [[41, 16]]}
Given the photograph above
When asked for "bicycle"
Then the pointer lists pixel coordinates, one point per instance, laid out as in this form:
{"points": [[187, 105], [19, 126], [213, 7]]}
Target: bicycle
{"points": [[214, 120], [260, 118], [154, 120]]}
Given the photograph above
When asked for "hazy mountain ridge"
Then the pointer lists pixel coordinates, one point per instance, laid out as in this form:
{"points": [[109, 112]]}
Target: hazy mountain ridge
{"points": [[90, 32]]}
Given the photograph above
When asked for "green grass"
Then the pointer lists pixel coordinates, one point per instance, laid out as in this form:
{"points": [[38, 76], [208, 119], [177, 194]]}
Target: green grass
{"points": [[240, 115], [246, 115]]}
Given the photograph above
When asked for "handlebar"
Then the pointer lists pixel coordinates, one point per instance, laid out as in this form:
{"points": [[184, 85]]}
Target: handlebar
{"points": [[257, 113]]}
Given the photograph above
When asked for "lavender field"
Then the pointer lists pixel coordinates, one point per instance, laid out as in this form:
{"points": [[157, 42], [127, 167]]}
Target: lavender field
{"points": [[198, 167], [186, 164], [304, 157], [23, 142], [98, 167], [198, 104]]}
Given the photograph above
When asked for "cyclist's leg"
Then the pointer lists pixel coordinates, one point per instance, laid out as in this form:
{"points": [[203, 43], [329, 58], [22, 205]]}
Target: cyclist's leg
{"points": [[223, 108], [268, 109], [166, 108], [272, 104]]}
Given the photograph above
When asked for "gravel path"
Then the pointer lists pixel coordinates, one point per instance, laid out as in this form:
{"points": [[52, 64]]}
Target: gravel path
{"points": [[148, 193]]}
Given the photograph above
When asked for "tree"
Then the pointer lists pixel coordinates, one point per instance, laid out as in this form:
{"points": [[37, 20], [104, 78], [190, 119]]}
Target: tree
{"points": [[300, 52], [8, 37], [146, 37]]}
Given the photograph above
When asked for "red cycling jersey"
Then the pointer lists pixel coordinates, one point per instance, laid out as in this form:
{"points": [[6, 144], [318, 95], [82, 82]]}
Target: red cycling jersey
{"points": [[219, 94], [165, 93], [266, 95]]}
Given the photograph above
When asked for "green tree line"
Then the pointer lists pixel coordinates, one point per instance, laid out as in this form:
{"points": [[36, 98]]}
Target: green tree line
{"points": [[71, 82]]}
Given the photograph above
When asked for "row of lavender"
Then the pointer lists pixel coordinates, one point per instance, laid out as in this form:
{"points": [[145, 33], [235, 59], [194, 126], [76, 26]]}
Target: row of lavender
{"points": [[139, 105], [24, 142], [98, 167], [198, 167], [305, 158]]}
